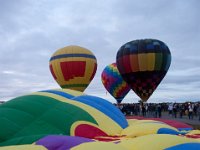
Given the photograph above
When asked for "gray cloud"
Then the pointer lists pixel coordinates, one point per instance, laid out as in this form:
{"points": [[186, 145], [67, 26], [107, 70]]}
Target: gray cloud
{"points": [[31, 31]]}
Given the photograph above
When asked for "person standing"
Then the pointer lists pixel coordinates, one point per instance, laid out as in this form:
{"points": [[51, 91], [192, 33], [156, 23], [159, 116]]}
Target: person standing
{"points": [[143, 110], [159, 110], [181, 110], [170, 108], [198, 110], [190, 113], [175, 109]]}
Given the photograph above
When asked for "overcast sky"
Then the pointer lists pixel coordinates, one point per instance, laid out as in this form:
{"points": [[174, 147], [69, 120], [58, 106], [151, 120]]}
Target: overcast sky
{"points": [[32, 30]]}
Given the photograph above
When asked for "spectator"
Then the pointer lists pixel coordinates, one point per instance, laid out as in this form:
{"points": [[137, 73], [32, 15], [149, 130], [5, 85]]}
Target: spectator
{"points": [[175, 109], [143, 109], [159, 108], [181, 110], [195, 110], [170, 108], [146, 109], [198, 111], [190, 113]]}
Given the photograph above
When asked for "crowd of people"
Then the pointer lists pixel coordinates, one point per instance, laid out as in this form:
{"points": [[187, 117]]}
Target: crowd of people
{"points": [[1, 102], [156, 110]]}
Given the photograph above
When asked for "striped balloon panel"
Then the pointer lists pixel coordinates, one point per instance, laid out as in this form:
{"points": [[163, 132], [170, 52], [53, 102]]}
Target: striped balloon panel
{"points": [[114, 83], [144, 62], [73, 67], [143, 55]]}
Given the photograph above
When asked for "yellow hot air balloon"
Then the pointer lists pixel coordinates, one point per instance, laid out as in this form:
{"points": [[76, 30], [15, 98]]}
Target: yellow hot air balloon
{"points": [[73, 67]]}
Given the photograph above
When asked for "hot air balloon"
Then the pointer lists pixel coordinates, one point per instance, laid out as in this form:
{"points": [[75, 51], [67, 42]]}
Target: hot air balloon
{"points": [[143, 64], [114, 83], [73, 67]]}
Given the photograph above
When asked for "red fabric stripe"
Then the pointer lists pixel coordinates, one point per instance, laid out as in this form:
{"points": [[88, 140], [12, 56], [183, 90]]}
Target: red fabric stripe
{"points": [[71, 69], [120, 66], [94, 71], [194, 136], [172, 123], [52, 72], [82, 131], [126, 64], [107, 139], [94, 133]]}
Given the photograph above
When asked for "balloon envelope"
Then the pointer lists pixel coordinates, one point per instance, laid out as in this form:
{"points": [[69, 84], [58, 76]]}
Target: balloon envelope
{"points": [[143, 64], [114, 83], [73, 67], [28, 118]]}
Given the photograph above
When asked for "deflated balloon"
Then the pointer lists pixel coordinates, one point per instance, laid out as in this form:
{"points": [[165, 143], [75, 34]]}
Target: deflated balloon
{"points": [[28, 118], [73, 67], [114, 83], [143, 64]]}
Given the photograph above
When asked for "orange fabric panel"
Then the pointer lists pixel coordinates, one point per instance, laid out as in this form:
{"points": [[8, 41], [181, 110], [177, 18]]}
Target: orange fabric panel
{"points": [[134, 62]]}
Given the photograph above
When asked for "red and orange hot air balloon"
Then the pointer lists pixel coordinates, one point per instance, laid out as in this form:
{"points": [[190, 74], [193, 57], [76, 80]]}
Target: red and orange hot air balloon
{"points": [[143, 64], [73, 67]]}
